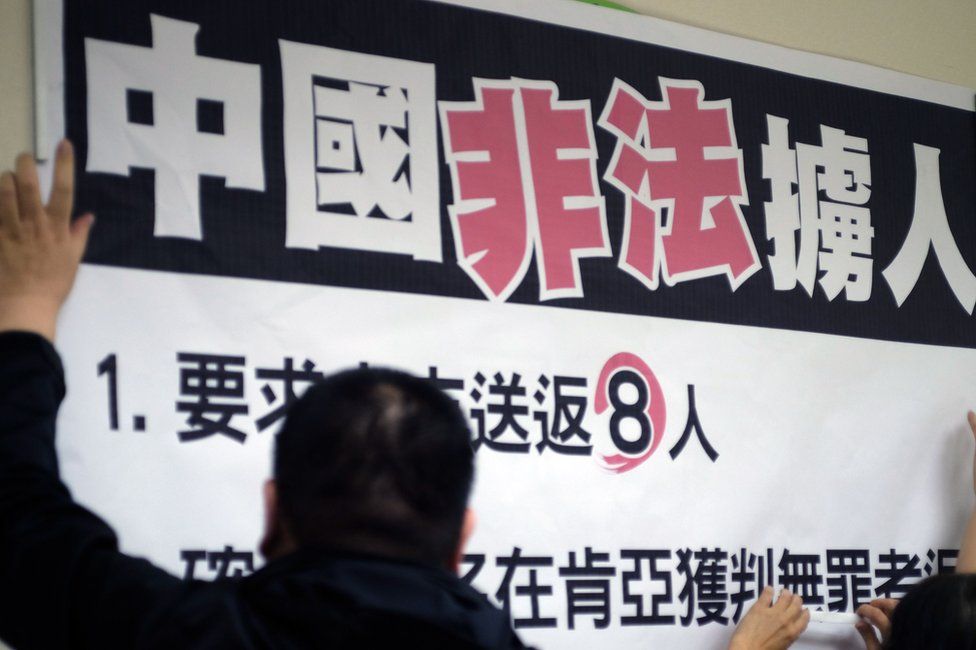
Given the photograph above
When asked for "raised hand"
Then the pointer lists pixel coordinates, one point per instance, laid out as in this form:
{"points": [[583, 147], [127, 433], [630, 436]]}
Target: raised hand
{"points": [[40, 246]]}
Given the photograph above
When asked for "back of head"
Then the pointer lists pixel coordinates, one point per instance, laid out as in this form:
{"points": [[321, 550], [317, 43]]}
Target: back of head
{"points": [[939, 613], [376, 461]]}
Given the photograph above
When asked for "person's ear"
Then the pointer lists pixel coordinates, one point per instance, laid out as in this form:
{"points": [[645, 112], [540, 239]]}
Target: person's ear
{"points": [[467, 529], [276, 541]]}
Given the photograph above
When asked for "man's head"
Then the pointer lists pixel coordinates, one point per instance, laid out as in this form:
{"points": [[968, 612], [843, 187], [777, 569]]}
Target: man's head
{"points": [[374, 461]]}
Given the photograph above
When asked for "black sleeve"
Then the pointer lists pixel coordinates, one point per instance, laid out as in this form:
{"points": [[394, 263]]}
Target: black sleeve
{"points": [[63, 582]]}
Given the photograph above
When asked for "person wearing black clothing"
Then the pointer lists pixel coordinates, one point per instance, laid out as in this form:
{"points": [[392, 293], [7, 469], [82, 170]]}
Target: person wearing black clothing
{"points": [[65, 584], [366, 516]]}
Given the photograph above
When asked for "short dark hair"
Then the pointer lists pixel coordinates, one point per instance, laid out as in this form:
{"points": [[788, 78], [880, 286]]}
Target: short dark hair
{"points": [[938, 613], [375, 460]]}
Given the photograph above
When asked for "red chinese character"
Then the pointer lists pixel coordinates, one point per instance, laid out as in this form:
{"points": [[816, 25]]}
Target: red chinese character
{"points": [[679, 155], [523, 167]]}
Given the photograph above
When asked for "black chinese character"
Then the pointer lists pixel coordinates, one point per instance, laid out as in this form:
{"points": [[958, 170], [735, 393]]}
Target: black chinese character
{"points": [[848, 579], [710, 586], [588, 590], [895, 569], [190, 558], [507, 411], [941, 562], [477, 562], [743, 575], [652, 615], [289, 376], [568, 412], [445, 384], [223, 562], [213, 381], [533, 590], [801, 575], [693, 424]]}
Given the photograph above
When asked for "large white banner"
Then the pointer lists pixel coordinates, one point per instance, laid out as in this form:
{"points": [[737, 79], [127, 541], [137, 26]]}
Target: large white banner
{"points": [[712, 321]]}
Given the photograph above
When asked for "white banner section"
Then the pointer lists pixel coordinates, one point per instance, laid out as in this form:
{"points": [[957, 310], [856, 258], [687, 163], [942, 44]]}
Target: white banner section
{"points": [[831, 454]]}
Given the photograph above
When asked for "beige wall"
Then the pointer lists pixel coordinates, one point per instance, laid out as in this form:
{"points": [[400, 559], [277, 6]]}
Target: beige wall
{"points": [[929, 38], [16, 120]]}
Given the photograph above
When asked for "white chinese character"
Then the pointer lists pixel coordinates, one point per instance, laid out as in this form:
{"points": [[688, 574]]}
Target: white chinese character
{"points": [[783, 211], [170, 136], [930, 228], [362, 120], [834, 235], [360, 152]]}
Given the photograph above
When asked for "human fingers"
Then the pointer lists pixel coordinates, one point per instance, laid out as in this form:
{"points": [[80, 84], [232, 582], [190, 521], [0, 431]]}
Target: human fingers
{"points": [[875, 617], [9, 214], [765, 597], [784, 600], [795, 607], [794, 620], [868, 636], [28, 191], [886, 605], [63, 185], [803, 621], [80, 229]]}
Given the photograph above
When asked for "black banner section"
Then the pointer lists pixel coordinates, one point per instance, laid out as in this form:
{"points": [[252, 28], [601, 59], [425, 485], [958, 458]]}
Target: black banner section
{"points": [[854, 155]]}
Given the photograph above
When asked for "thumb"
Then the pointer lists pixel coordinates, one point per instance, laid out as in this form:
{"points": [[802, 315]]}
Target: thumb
{"points": [[868, 635], [80, 229], [971, 416]]}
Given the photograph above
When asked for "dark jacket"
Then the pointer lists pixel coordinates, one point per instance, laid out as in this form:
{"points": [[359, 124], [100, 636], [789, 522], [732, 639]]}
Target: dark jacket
{"points": [[65, 585]]}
